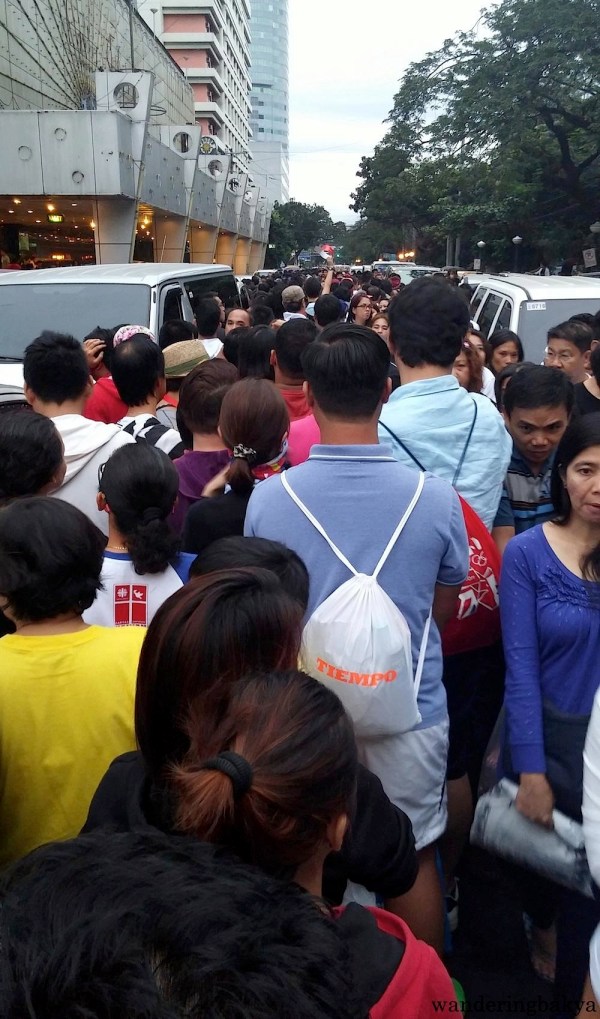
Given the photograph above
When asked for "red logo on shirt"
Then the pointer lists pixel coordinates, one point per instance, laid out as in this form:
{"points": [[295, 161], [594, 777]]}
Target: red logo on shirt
{"points": [[130, 605]]}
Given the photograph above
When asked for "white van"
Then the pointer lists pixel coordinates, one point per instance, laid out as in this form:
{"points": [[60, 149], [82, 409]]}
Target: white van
{"points": [[77, 300], [531, 305]]}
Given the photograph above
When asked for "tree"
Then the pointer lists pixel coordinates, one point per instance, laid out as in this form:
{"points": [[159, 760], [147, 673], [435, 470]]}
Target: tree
{"points": [[497, 132], [295, 226]]}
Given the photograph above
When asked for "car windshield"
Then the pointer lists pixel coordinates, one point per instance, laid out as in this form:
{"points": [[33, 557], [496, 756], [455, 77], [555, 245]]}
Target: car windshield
{"points": [[537, 317], [75, 308]]}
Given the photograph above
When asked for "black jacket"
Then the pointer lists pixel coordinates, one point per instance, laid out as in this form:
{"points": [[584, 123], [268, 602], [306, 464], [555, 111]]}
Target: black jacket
{"points": [[378, 851]]}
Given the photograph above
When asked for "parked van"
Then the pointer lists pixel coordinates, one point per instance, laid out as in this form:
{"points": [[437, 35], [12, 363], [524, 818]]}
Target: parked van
{"points": [[77, 300], [531, 305]]}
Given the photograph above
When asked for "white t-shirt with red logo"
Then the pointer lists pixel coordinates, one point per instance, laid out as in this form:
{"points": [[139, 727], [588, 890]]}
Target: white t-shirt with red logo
{"points": [[128, 599]]}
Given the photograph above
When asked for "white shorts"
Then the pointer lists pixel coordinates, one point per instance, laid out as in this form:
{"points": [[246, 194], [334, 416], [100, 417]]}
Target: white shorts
{"points": [[412, 770]]}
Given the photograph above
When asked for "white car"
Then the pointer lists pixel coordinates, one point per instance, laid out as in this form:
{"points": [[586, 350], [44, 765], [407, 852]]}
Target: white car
{"points": [[531, 305], [77, 300]]}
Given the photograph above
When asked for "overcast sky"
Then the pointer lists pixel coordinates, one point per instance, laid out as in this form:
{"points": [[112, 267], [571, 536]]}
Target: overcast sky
{"points": [[345, 62]]}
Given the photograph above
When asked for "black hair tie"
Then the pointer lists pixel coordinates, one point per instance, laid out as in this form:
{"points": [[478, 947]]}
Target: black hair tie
{"points": [[235, 767], [151, 513]]}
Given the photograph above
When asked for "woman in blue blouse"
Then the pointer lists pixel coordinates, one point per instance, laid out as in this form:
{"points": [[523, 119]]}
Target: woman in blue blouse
{"points": [[550, 608]]}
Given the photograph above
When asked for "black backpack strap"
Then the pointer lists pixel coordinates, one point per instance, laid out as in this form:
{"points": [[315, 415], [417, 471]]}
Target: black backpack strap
{"points": [[402, 446]]}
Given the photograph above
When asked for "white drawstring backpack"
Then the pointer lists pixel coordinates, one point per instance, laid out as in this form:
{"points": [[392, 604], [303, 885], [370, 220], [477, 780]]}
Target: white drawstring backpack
{"points": [[358, 643]]}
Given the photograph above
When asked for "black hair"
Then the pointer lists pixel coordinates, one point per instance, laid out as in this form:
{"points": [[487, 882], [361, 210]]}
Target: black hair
{"points": [[290, 340], [31, 452], [107, 337], [50, 558], [176, 330], [538, 386], [574, 331], [232, 342], [155, 926], [140, 484], [208, 316], [261, 314], [328, 310], [582, 433], [55, 368], [137, 366], [428, 322], [313, 287], [347, 368], [201, 396], [501, 336], [507, 373], [235, 551], [343, 292], [592, 321], [254, 353]]}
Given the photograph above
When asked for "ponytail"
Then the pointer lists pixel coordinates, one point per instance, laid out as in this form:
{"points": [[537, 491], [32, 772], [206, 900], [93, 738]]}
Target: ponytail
{"points": [[274, 774], [140, 485]]}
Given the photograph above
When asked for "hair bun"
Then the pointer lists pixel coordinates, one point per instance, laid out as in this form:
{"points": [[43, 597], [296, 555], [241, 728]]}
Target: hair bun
{"points": [[151, 513]]}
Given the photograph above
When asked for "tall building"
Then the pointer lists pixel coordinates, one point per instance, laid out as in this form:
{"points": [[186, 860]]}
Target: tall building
{"points": [[210, 40], [270, 98]]}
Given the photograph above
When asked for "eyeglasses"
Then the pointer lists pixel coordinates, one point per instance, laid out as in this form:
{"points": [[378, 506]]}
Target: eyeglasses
{"points": [[369, 306], [564, 356]]}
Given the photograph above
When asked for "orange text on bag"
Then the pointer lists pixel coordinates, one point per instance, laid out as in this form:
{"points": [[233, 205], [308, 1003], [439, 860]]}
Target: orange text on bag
{"points": [[358, 678]]}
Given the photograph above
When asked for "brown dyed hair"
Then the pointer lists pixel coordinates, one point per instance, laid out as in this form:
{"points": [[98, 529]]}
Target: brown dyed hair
{"points": [[475, 367], [202, 640], [253, 415], [299, 743], [201, 395]]}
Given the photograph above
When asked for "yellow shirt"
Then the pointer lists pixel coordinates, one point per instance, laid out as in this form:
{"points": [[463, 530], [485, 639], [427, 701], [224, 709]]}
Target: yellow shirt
{"points": [[66, 711]]}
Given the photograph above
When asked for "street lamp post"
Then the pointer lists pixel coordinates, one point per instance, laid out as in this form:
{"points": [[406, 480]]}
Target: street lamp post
{"points": [[517, 241], [481, 246]]}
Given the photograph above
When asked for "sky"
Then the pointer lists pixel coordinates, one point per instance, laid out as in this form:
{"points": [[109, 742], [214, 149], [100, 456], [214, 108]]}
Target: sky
{"points": [[345, 62]]}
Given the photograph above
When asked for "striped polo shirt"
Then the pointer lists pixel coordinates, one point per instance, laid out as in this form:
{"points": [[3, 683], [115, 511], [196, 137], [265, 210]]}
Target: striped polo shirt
{"points": [[526, 497]]}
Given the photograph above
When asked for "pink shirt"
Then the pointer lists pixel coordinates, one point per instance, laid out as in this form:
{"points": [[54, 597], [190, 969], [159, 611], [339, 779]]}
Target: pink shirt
{"points": [[304, 433]]}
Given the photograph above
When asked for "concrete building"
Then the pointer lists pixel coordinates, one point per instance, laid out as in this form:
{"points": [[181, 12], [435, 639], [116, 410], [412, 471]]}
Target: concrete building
{"points": [[210, 41], [102, 162], [270, 98]]}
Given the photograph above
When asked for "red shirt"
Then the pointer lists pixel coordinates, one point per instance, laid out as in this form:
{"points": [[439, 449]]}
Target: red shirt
{"points": [[421, 980], [295, 401], [105, 404]]}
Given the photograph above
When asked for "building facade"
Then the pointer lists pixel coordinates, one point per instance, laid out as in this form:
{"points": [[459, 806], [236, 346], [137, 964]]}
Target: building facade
{"points": [[270, 97], [106, 163], [210, 41]]}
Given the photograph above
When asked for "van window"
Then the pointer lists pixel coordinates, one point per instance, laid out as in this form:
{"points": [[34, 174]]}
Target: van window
{"points": [[503, 320], [224, 285], [74, 308], [477, 299], [172, 302], [488, 312]]}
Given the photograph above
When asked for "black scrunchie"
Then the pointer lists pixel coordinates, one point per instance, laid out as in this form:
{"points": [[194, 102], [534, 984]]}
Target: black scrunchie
{"points": [[151, 513], [235, 767]]}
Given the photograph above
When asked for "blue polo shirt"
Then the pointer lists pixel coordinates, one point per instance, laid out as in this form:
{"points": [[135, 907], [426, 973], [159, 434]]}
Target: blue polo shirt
{"points": [[432, 418], [526, 499], [358, 494]]}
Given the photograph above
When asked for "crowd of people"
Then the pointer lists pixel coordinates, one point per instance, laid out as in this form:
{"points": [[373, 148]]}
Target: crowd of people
{"points": [[270, 582]]}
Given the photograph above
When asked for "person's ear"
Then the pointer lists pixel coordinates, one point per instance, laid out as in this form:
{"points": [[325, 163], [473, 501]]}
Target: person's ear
{"points": [[89, 387], [387, 389], [308, 394], [506, 417], [29, 395], [336, 831], [160, 387], [273, 359], [586, 359], [101, 503]]}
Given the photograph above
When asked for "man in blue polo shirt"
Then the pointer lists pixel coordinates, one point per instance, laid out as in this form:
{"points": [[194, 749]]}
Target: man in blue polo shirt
{"points": [[430, 420], [537, 405], [358, 492]]}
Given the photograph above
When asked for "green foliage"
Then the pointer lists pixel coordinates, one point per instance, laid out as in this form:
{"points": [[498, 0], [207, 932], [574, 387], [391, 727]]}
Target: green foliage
{"points": [[497, 133], [295, 226]]}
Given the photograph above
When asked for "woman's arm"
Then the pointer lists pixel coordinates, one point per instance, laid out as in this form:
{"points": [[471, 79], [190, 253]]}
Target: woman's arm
{"points": [[591, 792], [523, 694]]}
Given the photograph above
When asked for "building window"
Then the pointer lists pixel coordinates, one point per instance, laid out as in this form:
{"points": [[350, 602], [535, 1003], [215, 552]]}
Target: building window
{"points": [[126, 96]]}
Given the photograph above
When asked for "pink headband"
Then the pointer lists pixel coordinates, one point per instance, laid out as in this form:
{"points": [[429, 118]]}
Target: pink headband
{"points": [[126, 332]]}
